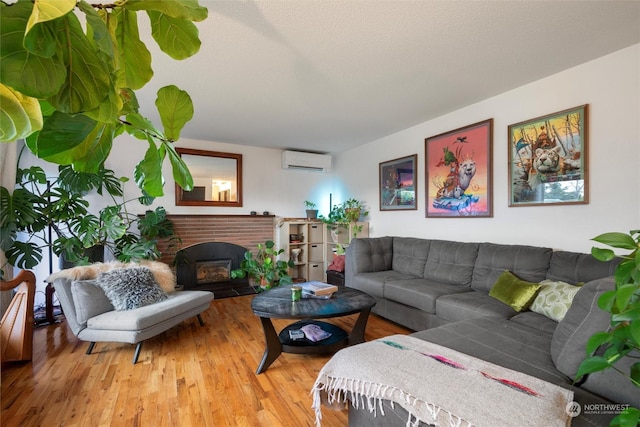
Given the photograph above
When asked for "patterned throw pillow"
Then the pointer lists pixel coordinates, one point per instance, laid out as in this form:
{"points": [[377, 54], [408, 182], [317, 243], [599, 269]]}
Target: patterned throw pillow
{"points": [[129, 288], [554, 299]]}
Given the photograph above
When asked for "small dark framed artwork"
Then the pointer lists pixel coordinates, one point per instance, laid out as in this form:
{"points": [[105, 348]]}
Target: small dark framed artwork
{"points": [[548, 159], [398, 184], [458, 166]]}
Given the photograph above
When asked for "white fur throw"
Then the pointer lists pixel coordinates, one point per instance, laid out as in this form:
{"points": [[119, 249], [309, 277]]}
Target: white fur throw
{"points": [[161, 272], [438, 386]]}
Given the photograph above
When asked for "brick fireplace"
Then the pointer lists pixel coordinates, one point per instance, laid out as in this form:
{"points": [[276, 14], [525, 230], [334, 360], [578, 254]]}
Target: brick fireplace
{"points": [[242, 230]]}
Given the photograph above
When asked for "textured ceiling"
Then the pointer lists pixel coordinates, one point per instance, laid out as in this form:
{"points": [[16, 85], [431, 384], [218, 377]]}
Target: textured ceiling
{"points": [[326, 76]]}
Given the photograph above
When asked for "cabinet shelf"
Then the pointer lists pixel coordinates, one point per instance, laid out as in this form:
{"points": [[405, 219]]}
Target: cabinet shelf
{"points": [[316, 245]]}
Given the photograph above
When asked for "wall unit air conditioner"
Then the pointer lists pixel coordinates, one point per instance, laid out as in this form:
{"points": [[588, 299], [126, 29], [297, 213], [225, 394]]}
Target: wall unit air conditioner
{"points": [[306, 161]]}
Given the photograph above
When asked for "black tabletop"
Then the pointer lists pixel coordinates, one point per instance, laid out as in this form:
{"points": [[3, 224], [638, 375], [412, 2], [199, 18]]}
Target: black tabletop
{"points": [[276, 303]]}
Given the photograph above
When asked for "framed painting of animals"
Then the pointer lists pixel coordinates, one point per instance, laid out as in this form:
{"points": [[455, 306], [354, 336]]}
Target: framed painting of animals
{"points": [[458, 168], [398, 182], [548, 159]]}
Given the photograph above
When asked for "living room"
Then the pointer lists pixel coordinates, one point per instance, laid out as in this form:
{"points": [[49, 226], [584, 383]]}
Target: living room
{"points": [[608, 84]]}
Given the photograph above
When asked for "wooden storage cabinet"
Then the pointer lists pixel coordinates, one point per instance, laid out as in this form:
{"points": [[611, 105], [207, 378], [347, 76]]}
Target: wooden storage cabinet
{"points": [[311, 244]]}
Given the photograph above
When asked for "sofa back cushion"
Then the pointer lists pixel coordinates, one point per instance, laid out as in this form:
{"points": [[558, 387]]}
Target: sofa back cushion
{"points": [[583, 319], [451, 263], [410, 255], [573, 267], [89, 300], [368, 255], [527, 262]]}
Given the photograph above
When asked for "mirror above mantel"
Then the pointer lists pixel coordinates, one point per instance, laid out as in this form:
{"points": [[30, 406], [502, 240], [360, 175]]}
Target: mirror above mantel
{"points": [[217, 178]]}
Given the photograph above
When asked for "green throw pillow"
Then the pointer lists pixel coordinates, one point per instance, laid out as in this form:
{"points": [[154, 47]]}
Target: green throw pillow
{"points": [[516, 293], [554, 299]]}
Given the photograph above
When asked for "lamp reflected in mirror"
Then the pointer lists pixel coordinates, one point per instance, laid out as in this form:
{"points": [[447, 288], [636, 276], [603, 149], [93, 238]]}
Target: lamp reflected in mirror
{"points": [[217, 178]]}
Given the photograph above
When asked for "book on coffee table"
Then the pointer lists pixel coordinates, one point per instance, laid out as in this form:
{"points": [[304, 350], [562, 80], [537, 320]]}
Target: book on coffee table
{"points": [[318, 288]]}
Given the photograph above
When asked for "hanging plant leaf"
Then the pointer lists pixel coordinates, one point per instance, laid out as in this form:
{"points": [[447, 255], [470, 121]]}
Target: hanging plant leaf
{"points": [[20, 115], [31, 75], [134, 57], [47, 10], [181, 173], [185, 9], [62, 132], [175, 108], [176, 37], [148, 172]]}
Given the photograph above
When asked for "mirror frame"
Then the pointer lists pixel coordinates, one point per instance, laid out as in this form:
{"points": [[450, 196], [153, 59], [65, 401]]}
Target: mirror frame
{"points": [[193, 152]]}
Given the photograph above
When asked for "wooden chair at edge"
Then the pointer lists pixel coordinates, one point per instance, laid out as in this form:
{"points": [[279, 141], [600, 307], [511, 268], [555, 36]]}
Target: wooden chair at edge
{"points": [[16, 327]]}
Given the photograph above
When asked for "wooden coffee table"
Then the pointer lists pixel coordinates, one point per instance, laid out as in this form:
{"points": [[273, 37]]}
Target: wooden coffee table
{"points": [[276, 304]]}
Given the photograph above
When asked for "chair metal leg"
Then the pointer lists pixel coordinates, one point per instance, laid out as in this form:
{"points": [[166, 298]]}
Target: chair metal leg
{"points": [[137, 353], [200, 320], [90, 349]]}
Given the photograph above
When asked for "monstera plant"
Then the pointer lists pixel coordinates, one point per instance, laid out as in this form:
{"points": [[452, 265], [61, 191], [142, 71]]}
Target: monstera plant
{"points": [[53, 213], [69, 91]]}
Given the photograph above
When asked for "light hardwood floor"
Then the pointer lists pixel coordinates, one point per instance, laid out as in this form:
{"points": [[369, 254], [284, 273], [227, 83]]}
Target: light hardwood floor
{"points": [[188, 376]]}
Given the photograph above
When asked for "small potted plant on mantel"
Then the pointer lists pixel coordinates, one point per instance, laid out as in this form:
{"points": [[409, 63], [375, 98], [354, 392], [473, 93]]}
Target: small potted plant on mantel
{"points": [[265, 268], [312, 210]]}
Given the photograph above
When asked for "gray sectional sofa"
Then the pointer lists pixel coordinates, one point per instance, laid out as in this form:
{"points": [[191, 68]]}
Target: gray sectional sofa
{"points": [[441, 290]]}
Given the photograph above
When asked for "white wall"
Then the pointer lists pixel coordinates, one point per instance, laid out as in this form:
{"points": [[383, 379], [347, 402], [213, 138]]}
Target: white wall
{"points": [[611, 87], [266, 186]]}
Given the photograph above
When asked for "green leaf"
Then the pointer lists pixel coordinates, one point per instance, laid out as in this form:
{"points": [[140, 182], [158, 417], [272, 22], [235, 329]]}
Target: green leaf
{"points": [[87, 82], [186, 9], [141, 127], [135, 59], [635, 374], [596, 340], [634, 330], [20, 115], [47, 10], [627, 315], [113, 225], [92, 153], [630, 417], [98, 28], [175, 108], [88, 230], [176, 37], [624, 294], [148, 172], [592, 364], [31, 75], [62, 132], [607, 300], [20, 208], [181, 173], [617, 240], [602, 254], [24, 255]]}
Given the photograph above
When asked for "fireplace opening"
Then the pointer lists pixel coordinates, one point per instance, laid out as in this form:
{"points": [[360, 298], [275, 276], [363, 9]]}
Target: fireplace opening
{"points": [[218, 270], [207, 266]]}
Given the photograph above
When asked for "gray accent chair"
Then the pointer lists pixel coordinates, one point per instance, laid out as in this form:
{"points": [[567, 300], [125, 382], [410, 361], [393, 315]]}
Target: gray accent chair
{"points": [[130, 326], [441, 290]]}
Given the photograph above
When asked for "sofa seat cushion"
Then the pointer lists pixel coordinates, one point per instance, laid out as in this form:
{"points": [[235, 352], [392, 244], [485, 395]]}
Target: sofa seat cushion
{"points": [[373, 283], [419, 293], [471, 305], [535, 321], [502, 342], [150, 315]]}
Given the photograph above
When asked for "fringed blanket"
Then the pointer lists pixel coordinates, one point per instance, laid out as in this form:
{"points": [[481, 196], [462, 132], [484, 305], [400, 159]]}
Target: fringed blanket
{"points": [[437, 385]]}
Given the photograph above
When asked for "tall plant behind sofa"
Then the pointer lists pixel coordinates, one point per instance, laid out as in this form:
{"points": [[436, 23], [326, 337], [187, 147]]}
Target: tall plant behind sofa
{"points": [[622, 339]]}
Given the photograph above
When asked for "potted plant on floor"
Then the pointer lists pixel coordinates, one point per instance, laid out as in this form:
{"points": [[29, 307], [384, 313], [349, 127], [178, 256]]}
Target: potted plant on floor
{"points": [[264, 267], [622, 338], [53, 213]]}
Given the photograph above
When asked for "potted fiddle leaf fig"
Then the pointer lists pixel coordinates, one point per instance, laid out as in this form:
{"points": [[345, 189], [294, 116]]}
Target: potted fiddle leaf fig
{"points": [[622, 339], [264, 267], [88, 58]]}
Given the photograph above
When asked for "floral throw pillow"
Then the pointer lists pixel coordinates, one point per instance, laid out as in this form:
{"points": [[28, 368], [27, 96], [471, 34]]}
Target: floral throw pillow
{"points": [[554, 299]]}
